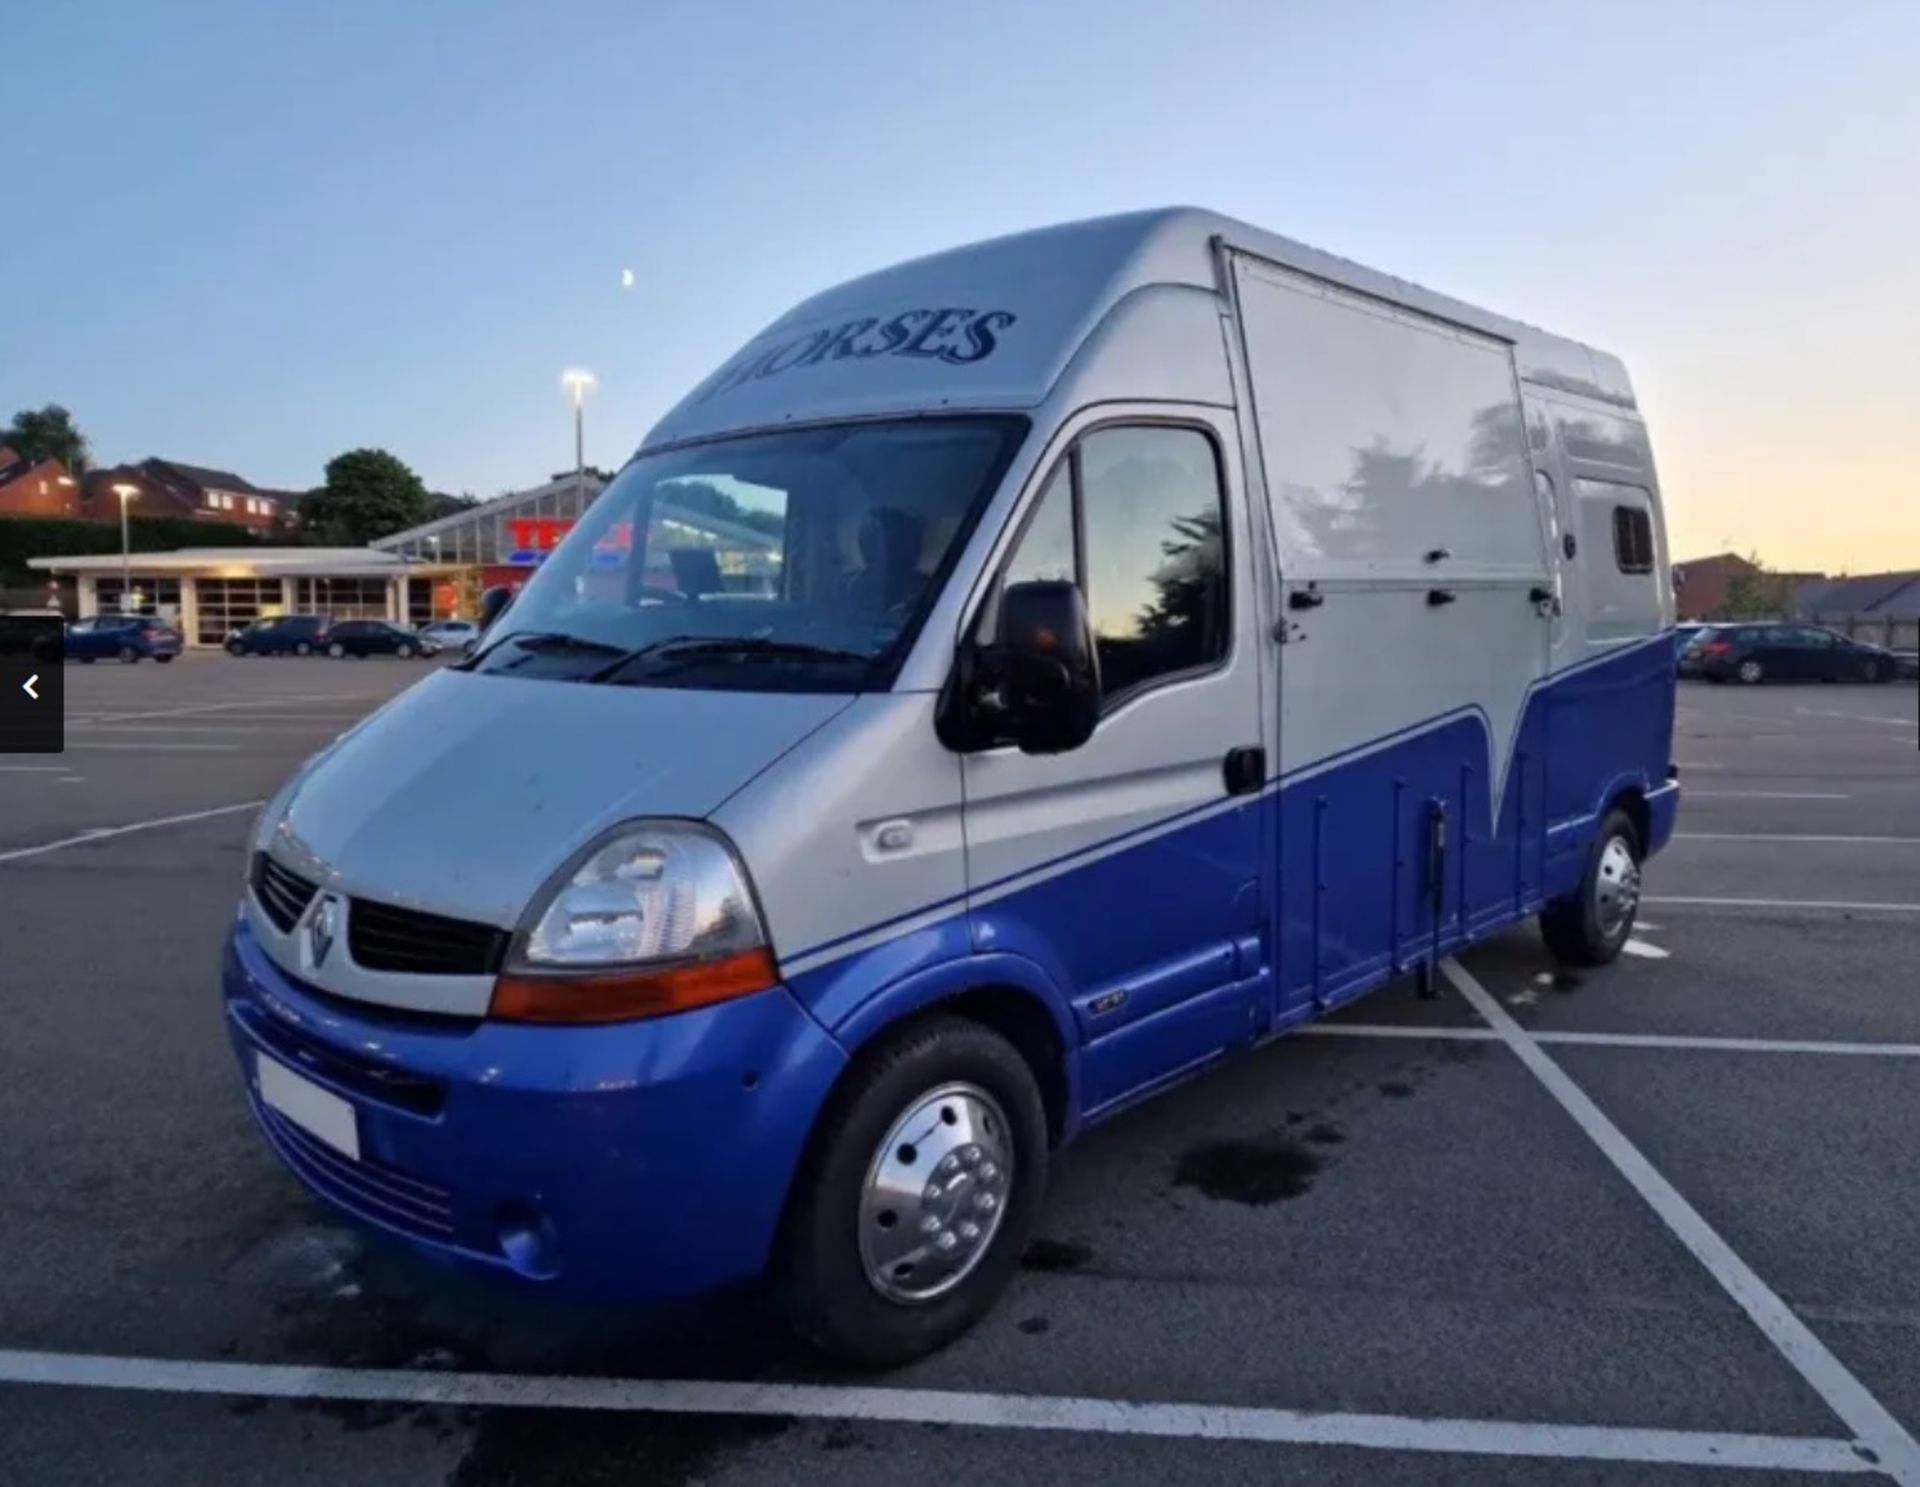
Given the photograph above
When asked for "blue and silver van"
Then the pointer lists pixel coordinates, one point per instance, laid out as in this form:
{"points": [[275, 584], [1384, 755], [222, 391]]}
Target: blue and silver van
{"points": [[1014, 682]]}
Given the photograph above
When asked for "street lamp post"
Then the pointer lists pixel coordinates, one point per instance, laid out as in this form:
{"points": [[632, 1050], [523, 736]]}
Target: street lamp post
{"points": [[126, 493], [581, 383]]}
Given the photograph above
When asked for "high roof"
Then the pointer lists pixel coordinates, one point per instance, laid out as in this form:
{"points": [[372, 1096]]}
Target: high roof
{"points": [[992, 324]]}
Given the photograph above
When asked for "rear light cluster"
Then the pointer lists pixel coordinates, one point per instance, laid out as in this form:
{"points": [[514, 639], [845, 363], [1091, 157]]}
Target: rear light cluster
{"points": [[1716, 647]]}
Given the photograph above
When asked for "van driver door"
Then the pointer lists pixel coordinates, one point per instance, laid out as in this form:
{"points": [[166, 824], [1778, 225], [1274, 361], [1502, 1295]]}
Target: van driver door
{"points": [[1130, 866]]}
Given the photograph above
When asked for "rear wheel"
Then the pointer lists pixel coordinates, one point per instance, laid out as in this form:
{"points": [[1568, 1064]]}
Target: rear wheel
{"points": [[1588, 927], [336, 650], [1882, 670], [128, 655], [235, 648], [1752, 672], [405, 652], [301, 648], [923, 1183], [164, 659]]}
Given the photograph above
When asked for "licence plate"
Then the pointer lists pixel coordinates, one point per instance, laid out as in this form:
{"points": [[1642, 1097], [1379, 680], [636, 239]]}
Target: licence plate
{"points": [[318, 1112]]}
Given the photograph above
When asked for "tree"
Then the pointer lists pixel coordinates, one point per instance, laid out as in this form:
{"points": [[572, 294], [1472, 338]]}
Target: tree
{"points": [[48, 433], [440, 503], [369, 494], [1756, 594]]}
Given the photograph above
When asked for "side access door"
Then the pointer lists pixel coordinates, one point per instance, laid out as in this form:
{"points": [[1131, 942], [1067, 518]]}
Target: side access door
{"points": [[1130, 867], [1416, 623]]}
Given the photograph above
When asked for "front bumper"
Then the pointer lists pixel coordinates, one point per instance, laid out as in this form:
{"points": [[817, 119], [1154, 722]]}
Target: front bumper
{"points": [[627, 1161]]}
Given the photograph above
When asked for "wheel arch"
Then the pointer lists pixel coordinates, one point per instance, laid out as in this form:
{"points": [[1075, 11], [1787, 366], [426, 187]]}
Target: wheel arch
{"points": [[1007, 993]]}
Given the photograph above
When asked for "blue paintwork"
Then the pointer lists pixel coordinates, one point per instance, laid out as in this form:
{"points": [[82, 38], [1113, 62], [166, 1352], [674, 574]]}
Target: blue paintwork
{"points": [[652, 1168], [656, 1169], [101, 642]]}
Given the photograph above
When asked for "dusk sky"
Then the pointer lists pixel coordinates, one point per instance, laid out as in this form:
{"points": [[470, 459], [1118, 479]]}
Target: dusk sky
{"points": [[254, 235]]}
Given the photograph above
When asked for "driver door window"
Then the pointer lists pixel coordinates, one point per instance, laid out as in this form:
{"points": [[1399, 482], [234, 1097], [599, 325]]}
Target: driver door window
{"points": [[1134, 517]]}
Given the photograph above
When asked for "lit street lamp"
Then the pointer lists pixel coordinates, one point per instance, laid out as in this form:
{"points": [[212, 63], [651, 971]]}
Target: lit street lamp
{"points": [[126, 493], [581, 383]]}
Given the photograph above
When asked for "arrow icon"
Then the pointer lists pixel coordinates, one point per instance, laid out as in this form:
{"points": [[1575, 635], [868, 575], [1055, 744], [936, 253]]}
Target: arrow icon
{"points": [[27, 686]]}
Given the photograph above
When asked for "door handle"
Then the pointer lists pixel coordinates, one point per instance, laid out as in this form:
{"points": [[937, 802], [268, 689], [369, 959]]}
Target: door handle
{"points": [[1245, 769], [1437, 597], [1306, 599]]}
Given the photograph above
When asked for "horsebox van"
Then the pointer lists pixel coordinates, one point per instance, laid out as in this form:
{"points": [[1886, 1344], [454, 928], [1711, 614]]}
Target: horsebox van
{"points": [[1016, 681]]}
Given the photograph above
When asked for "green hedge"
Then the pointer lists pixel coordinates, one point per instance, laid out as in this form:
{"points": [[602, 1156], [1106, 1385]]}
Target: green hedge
{"points": [[23, 537]]}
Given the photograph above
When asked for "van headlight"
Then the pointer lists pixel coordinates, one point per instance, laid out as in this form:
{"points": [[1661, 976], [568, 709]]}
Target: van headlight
{"points": [[656, 917]]}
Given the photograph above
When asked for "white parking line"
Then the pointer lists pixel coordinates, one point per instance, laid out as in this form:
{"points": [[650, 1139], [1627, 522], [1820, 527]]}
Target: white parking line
{"points": [[223, 707], [1705, 1044], [1120, 1417], [156, 748], [33, 769], [1782, 903], [1762, 795], [1771, 836], [1819, 712], [103, 833], [1897, 1451], [1645, 951]]}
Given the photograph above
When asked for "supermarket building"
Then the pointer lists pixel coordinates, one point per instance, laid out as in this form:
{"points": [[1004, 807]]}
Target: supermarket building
{"points": [[433, 571]]}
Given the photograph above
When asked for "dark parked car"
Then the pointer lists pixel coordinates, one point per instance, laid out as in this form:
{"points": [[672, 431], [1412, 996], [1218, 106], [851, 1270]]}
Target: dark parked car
{"points": [[283, 635], [376, 638], [128, 638], [32, 632], [1783, 652]]}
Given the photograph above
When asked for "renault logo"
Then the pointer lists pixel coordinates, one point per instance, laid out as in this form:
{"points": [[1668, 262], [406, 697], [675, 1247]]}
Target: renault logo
{"points": [[321, 929]]}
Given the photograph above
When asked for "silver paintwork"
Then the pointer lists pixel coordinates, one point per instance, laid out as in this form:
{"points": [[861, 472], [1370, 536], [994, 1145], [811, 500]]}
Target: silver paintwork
{"points": [[935, 1193], [1616, 887]]}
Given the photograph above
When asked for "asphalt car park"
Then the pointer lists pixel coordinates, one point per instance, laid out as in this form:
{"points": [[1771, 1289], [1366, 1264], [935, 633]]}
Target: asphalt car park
{"points": [[1655, 1223]]}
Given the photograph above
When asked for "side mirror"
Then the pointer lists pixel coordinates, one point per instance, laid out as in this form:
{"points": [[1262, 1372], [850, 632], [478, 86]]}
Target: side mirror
{"points": [[493, 604], [1042, 670]]}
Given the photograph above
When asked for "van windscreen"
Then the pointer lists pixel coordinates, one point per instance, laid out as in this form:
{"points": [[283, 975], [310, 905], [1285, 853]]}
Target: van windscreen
{"points": [[802, 560]]}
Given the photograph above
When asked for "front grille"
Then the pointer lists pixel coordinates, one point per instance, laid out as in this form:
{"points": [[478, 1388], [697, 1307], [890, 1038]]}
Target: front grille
{"points": [[400, 1088], [384, 938], [283, 893], [374, 1192]]}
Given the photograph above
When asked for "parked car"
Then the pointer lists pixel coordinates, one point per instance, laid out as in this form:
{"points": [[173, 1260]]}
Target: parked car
{"points": [[128, 638], [800, 936], [377, 638], [1755, 653], [32, 632], [282, 635], [450, 635]]}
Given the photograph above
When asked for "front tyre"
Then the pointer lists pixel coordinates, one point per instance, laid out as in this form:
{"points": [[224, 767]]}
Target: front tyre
{"points": [[922, 1186], [1752, 672], [1588, 927], [1883, 671]]}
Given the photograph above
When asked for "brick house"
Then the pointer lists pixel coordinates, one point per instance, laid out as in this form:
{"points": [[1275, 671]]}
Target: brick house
{"points": [[36, 487], [1700, 589], [170, 488]]}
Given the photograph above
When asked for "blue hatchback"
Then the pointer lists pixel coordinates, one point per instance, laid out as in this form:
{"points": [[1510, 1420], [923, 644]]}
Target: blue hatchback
{"points": [[128, 638]]}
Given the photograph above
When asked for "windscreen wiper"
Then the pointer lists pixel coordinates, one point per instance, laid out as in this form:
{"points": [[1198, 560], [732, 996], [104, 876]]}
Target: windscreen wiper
{"points": [[692, 647], [538, 642]]}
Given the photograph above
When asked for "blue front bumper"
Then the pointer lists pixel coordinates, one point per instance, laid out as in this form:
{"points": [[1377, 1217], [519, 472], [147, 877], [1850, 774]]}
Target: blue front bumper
{"points": [[628, 1161]]}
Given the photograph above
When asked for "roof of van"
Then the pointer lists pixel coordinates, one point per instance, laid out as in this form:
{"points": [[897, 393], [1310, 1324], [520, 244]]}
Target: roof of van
{"points": [[991, 325]]}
